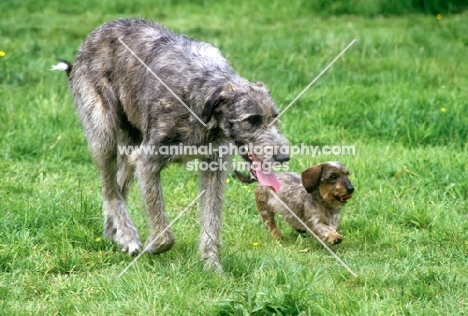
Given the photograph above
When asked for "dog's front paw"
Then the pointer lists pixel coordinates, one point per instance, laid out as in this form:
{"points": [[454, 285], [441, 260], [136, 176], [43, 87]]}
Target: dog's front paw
{"points": [[214, 265], [128, 240], [132, 247], [156, 244], [126, 236], [334, 238]]}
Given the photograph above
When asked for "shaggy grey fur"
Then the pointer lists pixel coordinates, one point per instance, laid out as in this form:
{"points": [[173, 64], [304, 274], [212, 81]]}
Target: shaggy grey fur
{"points": [[120, 102]]}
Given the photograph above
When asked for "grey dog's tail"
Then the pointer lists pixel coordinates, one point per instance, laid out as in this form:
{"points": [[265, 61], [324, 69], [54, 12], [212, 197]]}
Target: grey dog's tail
{"points": [[63, 65], [244, 178]]}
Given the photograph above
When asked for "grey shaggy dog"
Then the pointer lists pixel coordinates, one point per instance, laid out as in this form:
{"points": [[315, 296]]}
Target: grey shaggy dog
{"points": [[121, 103]]}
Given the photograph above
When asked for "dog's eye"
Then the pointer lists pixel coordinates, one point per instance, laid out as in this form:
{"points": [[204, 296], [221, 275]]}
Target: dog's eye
{"points": [[333, 176], [255, 119], [275, 117]]}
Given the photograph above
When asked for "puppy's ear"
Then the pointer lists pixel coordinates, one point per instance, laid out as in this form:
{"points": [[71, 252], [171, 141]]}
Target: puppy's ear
{"points": [[311, 178], [219, 96]]}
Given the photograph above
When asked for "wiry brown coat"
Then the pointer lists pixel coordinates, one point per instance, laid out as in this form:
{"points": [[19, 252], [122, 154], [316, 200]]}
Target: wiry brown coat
{"points": [[316, 197]]}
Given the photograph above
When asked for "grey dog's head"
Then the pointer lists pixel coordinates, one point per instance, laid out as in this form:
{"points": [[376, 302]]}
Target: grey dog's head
{"points": [[247, 115]]}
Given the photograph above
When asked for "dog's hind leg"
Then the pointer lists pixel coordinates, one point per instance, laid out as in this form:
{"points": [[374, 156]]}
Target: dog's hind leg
{"points": [[125, 175], [100, 120], [128, 139], [266, 214]]}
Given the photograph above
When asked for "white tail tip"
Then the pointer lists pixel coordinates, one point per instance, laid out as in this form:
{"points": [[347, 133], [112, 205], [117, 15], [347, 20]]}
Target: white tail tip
{"points": [[61, 66]]}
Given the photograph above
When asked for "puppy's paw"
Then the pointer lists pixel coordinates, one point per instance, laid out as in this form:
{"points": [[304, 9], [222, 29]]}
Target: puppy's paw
{"points": [[334, 238], [276, 234]]}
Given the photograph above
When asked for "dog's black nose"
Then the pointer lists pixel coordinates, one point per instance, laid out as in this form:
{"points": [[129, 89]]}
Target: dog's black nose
{"points": [[350, 189], [281, 158]]}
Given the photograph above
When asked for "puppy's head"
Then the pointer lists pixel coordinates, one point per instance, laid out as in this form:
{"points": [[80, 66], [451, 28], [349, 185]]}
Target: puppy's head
{"points": [[331, 179]]}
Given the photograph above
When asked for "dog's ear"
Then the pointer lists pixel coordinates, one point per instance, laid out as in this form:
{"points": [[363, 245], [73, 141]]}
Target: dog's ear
{"points": [[311, 178], [260, 84], [220, 95]]}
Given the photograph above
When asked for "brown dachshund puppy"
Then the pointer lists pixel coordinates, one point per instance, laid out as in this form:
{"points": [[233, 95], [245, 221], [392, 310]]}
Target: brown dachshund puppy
{"points": [[316, 197]]}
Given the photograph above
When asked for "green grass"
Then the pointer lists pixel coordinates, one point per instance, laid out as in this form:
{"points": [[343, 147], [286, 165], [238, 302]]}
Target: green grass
{"points": [[399, 95]]}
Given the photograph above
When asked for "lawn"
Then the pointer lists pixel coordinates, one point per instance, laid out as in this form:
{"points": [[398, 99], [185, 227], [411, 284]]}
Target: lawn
{"points": [[399, 95]]}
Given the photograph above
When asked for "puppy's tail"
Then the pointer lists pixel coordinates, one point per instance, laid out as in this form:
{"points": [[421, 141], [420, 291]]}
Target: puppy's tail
{"points": [[63, 65], [244, 178]]}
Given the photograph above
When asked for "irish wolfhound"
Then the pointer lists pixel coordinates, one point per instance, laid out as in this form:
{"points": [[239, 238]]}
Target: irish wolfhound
{"points": [[181, 91]]}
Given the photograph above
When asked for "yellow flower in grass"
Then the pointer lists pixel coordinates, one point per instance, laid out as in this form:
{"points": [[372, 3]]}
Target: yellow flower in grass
{"points": [[255, 243], [439, 17], [228, 180], [2, 53], [98, 239], [443, 110]]}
